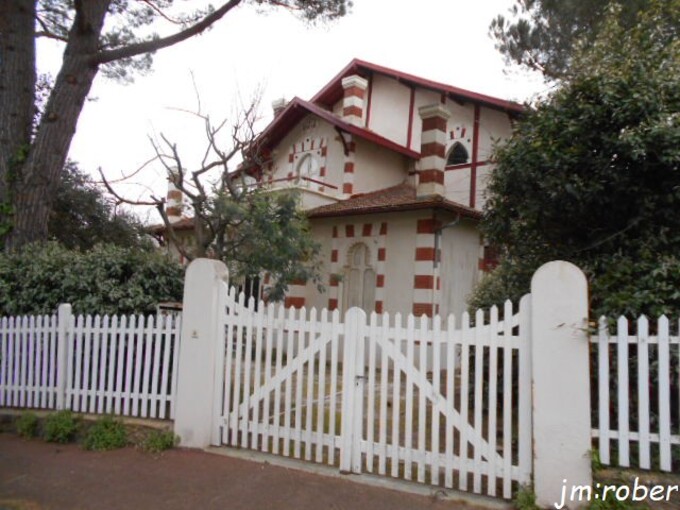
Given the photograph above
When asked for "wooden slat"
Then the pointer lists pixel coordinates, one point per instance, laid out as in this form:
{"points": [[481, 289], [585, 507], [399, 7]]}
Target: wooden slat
{"points": [[507, 401], [408, 418], [436, 383], [479, 386], [643, 392], [464, 396], [664, 377], [396, 397], [492, 398], [451, 349], [623, 393], [603, 391]]}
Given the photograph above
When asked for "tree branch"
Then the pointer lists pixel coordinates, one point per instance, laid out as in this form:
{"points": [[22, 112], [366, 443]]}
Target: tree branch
{"points": [[106, 56]]}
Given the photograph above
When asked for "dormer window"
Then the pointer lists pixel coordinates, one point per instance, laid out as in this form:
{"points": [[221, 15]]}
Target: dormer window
{"points": [[458, 155]]}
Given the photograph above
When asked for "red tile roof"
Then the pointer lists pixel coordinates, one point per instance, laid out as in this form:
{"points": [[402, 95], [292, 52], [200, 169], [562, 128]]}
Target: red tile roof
{"points": [[333, 92], [397, 198]]}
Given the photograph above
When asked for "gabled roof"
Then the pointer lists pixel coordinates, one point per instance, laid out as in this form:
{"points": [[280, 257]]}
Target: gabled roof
{"points": [[333, 92], [297, 109], [401, 197]]}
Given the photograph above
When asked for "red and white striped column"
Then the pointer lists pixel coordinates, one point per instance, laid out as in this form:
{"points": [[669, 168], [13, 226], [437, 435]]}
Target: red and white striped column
{"points": [[425, 282], [354, 88], [432, 150]]}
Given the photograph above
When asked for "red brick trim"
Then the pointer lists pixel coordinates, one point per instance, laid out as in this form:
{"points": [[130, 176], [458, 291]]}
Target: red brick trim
{"points": [[349, 230], [432, 123], [354, 91], [173, 211], [432, 176], [174, 194], [352, 110], [332, 304], [426, 254], [366, 229], [383, 229], [432, 149], [380, 281], [423, 281], [334, 280], [335, 231], [349, 167], [324, 151], [347, 188], [422, 308], [379, 307], [322, 171], [295, 302], [298, 282], [291, 157], [381, 254], [334, 255], [426, 226]]}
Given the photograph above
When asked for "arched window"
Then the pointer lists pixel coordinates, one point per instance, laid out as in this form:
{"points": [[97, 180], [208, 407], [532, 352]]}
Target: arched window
{"points": [[359, 279], [308, 168], [458, 155]]}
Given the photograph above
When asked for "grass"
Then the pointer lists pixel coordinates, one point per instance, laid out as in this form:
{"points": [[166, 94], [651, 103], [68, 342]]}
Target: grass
{"points": [[106, 434], [157, 441], [27, 425], [60, 427]]}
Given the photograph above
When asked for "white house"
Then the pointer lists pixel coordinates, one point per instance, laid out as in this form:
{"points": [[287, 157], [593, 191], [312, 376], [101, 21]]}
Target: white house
{"points": [[392, 169]]}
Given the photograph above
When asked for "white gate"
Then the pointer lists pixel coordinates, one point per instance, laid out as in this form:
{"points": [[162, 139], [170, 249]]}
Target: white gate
{"points": [[417, 399]]}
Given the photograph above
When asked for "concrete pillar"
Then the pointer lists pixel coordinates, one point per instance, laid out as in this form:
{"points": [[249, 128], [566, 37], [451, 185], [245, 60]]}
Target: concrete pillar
{"points": [[561, 383], [432, 150], [200, 349], [353, 99]]}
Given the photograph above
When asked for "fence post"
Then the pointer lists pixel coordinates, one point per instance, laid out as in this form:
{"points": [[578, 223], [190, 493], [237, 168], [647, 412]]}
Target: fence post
{"points": [[196, 377], [63, 323], [561, 384]]}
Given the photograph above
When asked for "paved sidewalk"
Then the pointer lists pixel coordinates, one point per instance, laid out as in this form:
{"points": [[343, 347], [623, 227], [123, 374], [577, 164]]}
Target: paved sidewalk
{"points": [[41, 476]]}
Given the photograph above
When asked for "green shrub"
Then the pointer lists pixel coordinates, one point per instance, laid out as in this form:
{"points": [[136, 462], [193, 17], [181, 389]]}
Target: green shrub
{"points": [[105, 434], [525, 499], [60, 427], [27, 425], [159, 440], [107, 279]]}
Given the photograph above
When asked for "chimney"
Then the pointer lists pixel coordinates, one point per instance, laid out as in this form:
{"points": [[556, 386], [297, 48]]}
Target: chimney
{"points": [[278, 105], [353, 100], [432, 150], [173, 203]]}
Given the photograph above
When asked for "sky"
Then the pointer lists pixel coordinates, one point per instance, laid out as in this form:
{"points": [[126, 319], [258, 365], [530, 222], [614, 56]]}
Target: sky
{"points": [[277, 53]]}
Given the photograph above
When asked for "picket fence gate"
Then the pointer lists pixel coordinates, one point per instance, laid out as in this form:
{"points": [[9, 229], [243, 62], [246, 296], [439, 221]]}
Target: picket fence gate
{"points": [[417, 399], [106, 365], [637, 382]]}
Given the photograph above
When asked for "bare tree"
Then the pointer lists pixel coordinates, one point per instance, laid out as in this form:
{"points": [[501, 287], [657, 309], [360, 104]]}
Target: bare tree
{"points": [[233, 217]]}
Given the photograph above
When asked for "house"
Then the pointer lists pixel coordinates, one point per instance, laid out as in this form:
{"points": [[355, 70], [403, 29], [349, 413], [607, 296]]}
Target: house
{"points": [[392, 170]]}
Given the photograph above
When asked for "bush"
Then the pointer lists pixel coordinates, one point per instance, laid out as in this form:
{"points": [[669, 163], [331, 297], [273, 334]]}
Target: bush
{"points": [[60, 427], [108, 278], [159, 440], [27, 425], [106, 434]]}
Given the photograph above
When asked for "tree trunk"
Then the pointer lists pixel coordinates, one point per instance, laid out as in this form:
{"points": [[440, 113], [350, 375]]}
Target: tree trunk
{"points": [[17, 94], [38, 177]]}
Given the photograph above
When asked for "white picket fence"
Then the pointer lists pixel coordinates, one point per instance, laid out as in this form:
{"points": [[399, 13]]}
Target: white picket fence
{"points": [[413, 398], [114, 365], [635, 382]]}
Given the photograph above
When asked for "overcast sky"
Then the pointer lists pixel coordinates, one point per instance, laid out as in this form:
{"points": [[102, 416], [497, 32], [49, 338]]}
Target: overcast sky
{"points": [[442, 40]]}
